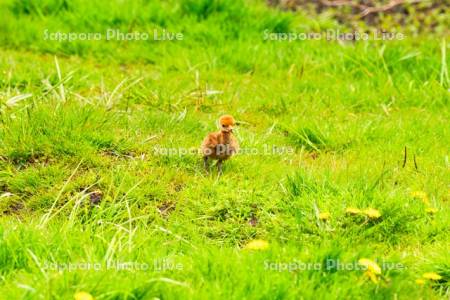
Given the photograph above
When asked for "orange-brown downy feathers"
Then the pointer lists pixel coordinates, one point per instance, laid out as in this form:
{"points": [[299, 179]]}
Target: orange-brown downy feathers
{"points": [[220, 145], [227, 120]]}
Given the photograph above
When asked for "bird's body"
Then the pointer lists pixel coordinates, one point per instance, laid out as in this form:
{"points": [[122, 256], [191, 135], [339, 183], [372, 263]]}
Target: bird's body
{"points": [[220, 145]]}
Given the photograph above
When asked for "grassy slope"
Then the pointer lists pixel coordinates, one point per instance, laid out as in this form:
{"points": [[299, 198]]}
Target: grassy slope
{"points": [[348, 110]]}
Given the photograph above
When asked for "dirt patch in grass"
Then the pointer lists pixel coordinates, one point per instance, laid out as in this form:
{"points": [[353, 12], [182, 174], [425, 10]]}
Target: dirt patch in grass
{"points": [[363, 14]]}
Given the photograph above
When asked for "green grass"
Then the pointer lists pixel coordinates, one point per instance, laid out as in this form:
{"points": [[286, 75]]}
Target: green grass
{"points": [[99, 111]]}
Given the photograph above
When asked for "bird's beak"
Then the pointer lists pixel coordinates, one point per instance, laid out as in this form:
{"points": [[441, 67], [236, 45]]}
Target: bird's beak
{"points": [[230, 129]]}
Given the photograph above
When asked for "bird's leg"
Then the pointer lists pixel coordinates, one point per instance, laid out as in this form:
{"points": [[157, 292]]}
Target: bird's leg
{"points": [[219, 166], [205, 163]]}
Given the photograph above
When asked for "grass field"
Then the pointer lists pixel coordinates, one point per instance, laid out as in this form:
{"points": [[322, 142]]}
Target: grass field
{"points": [[93, 200]]}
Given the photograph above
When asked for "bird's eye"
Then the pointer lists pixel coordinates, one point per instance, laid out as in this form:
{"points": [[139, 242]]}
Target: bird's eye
{"points": [[223, 125]]}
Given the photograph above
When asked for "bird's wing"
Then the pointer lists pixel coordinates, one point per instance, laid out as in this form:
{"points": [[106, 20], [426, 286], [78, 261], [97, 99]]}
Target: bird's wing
{"points": [[209, 143]]}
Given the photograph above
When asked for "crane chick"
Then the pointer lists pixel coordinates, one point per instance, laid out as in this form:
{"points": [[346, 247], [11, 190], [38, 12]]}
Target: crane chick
{"points": [[220, 145]]}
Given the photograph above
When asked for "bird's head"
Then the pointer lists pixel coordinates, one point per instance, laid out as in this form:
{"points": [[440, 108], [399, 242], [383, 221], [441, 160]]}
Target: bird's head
{"points": [[226, 123]]}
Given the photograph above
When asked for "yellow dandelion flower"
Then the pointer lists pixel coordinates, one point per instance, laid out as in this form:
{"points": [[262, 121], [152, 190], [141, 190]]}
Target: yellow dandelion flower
{"points": [[372, 276], [370, 265], [420, 281], [352, 210], [422, 196], [432, 276], [83, 296], [372, 213], [257, 245], [324, 216], [431, 210]]}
